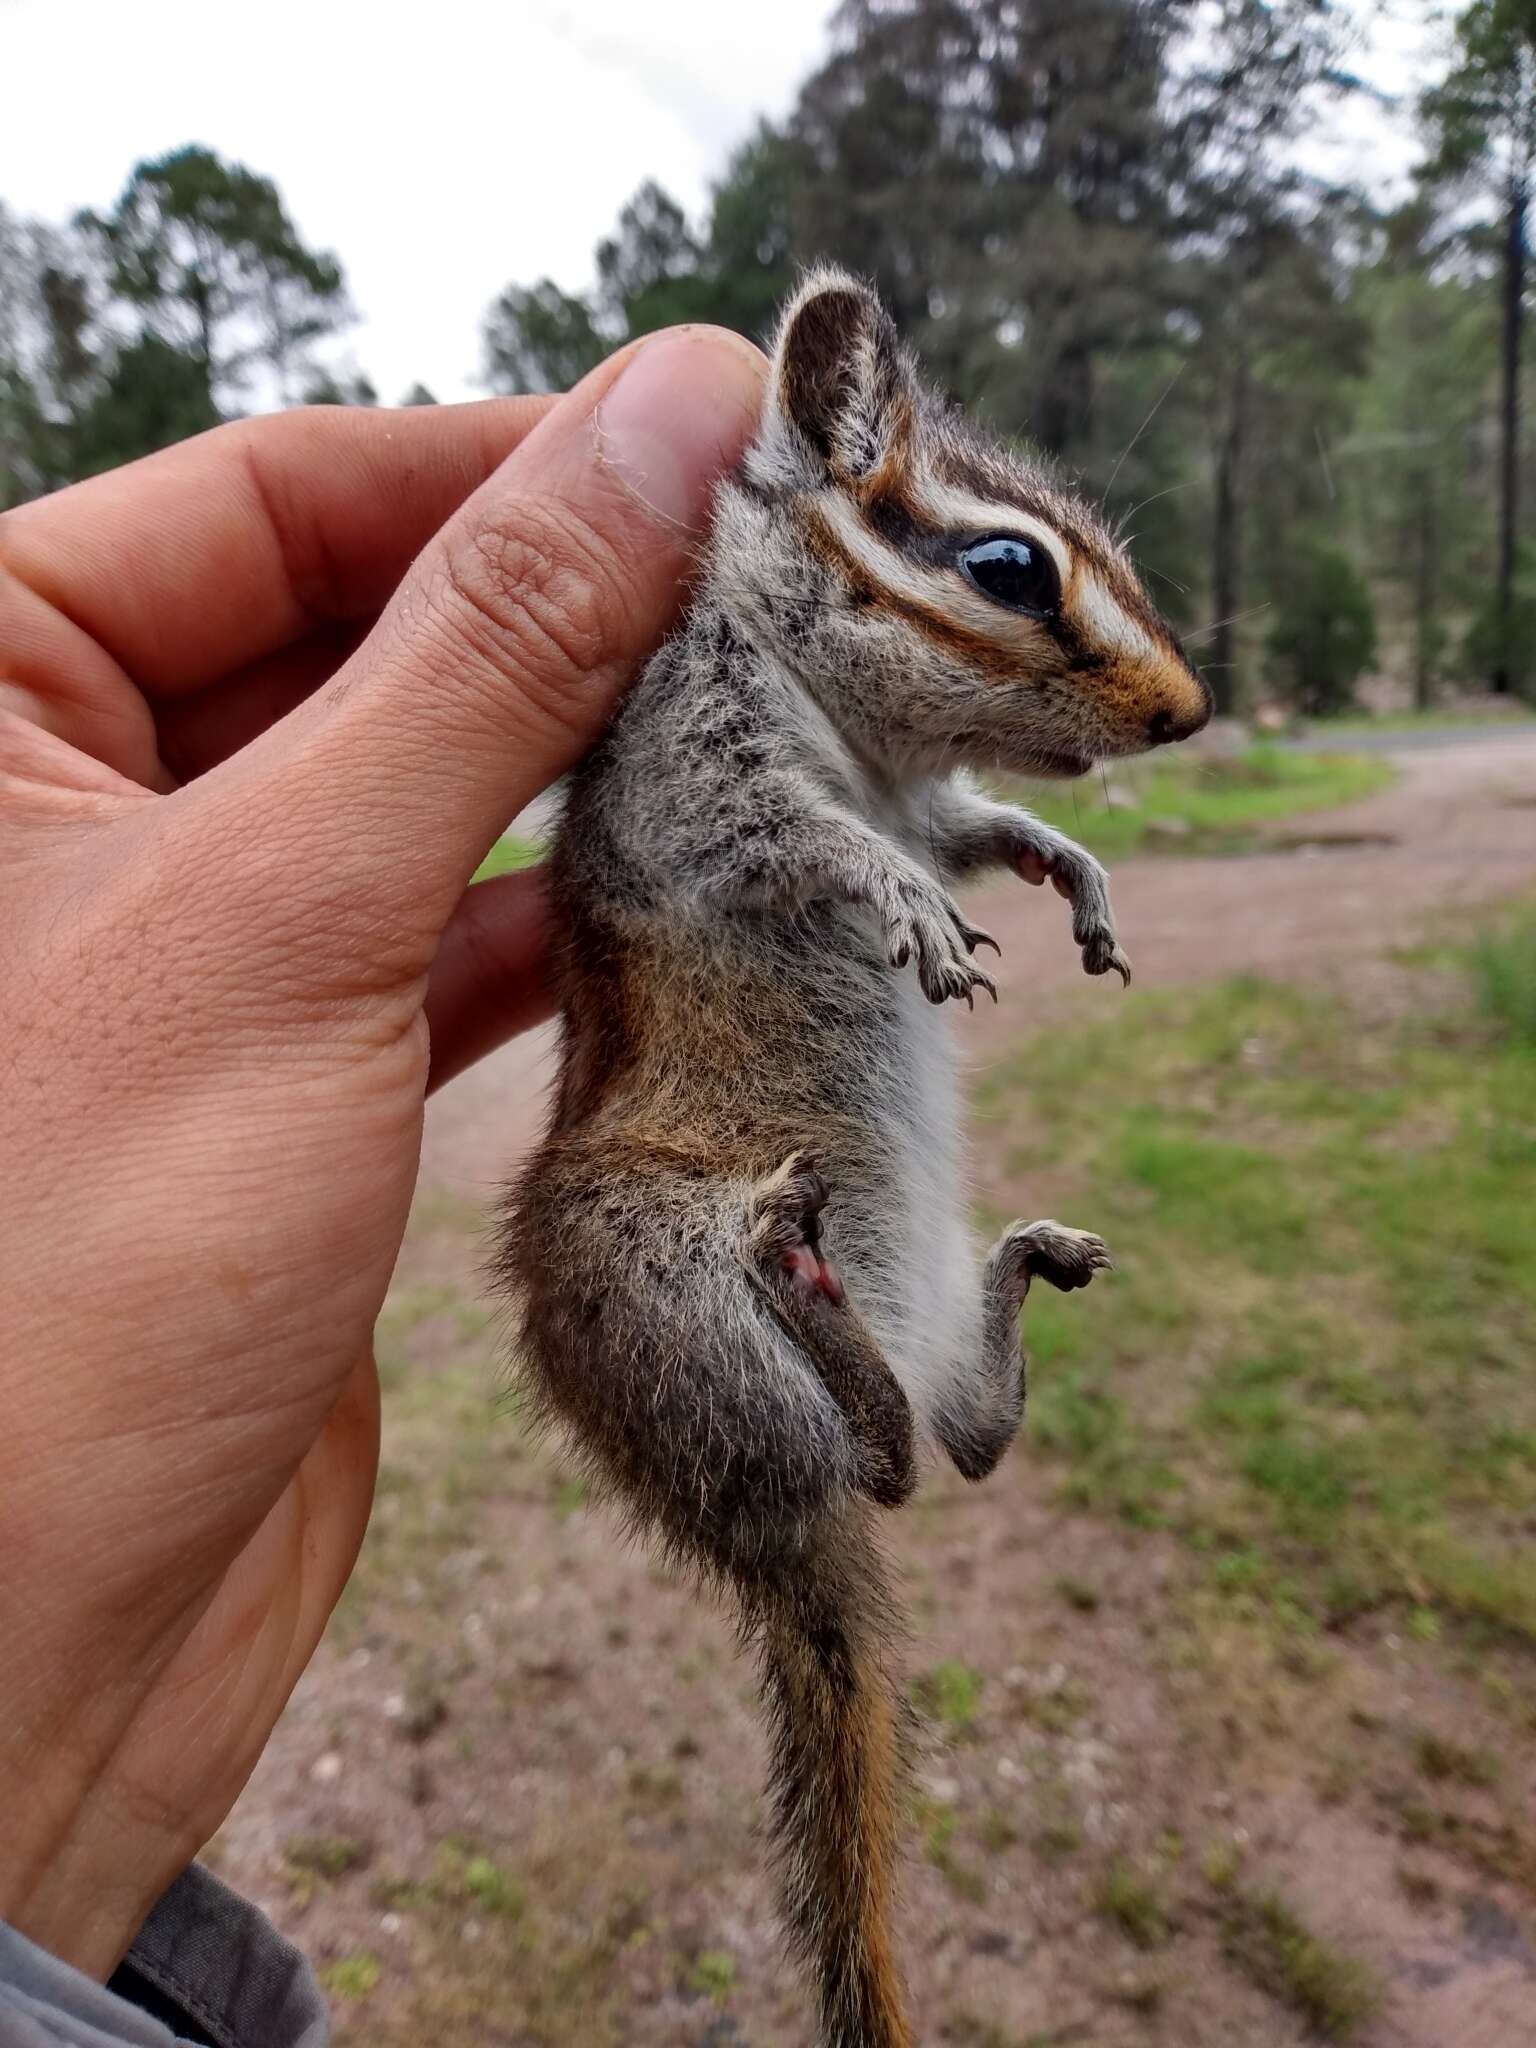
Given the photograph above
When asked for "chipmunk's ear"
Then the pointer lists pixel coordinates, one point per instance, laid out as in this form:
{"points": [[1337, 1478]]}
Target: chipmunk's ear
{"points": [[842, 383]]}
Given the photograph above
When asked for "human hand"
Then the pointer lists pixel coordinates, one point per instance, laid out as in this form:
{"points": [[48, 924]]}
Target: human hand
{"points": [[251, 752]]}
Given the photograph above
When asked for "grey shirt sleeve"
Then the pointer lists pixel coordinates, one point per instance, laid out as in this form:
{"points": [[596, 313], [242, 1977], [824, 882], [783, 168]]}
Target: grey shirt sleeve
{"points": [[207, 1969]]}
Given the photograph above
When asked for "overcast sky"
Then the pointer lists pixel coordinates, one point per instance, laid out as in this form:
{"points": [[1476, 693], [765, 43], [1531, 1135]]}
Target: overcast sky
{"points": [[441, 148]]}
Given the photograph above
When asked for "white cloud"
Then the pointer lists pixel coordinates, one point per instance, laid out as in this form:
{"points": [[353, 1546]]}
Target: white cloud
{"points": [[441, 151]]}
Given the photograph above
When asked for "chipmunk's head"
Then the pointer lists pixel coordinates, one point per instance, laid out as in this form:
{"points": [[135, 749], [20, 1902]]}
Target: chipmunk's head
{"points": [[942, 597]]}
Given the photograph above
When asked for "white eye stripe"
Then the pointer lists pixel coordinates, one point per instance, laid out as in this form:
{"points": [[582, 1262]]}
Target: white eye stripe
{"points": [[946, 506], [931, 589], [885, 566], [1108, 625], [1090, 606]]}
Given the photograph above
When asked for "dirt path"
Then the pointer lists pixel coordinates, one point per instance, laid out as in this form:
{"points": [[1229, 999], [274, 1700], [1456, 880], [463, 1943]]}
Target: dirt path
{"points": [[514, 1801], [1457, 830]]}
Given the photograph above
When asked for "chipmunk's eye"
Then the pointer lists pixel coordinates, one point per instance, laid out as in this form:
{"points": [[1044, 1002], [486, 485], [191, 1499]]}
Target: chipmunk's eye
{"points": [[1013, 572]]}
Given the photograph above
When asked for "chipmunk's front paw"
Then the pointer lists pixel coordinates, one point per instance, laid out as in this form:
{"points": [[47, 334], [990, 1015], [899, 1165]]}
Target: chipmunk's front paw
{"points": [[923, 925], [1078, 877]]}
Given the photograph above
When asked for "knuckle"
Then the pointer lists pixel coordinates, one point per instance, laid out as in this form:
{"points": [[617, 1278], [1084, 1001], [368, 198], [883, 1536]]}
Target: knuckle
{"points": [[540, 593]]}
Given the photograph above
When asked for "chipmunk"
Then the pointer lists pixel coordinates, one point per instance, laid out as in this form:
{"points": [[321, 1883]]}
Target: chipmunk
{"points": [[749, 1298]]}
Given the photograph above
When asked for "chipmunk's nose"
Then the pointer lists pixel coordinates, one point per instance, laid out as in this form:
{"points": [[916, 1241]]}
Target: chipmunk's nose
{"points": [[1185, 712]]}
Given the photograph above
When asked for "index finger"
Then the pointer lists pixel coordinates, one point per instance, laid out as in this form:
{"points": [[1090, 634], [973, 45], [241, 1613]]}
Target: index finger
{"points": [[211, 554]]}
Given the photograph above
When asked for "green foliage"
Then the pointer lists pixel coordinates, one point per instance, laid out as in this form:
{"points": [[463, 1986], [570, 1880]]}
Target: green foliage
{"points": [[540, 338], [324, 1855], [206, 250], [1324, 1238], [1333, 1992], [353, 1976], [1084, 215], [152, 396], [1188, 803], [1134, 1904], [1449, 1762], [951, 1693], [1324, 634], [713, 1974], [1503, 641], [127, 331], [1415, 503], [1504, 966], [491, 1889], [1094, 218]]}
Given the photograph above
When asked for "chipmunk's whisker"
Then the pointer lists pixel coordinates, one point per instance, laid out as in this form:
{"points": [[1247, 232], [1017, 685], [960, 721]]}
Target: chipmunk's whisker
{"points": [[1151, 416], [1232, 619]]}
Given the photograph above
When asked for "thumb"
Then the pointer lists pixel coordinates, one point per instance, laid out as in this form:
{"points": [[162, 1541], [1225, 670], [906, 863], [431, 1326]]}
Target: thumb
{"points": [[499, 659]]}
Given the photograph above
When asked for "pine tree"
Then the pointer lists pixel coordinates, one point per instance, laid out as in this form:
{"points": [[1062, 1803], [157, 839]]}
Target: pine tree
{"points": [[1483, 119]]}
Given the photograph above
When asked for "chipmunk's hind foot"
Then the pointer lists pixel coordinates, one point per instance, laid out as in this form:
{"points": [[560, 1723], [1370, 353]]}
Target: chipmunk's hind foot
{"points": [[808, 1295], [786, 1230], [983, 1414], [1052, 1252]]}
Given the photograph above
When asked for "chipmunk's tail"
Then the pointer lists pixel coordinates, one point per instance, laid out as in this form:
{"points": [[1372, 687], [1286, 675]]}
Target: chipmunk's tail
{"points": [[836, 1770]]}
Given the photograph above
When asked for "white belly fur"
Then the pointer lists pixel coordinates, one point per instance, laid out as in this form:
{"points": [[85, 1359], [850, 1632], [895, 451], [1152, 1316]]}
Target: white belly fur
{"points": [[929, 1322]]}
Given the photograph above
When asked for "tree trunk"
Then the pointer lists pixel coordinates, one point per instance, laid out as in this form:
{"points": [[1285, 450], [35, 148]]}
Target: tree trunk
{"points": [[1427, 595], [1227, 546], [1503, 676]]}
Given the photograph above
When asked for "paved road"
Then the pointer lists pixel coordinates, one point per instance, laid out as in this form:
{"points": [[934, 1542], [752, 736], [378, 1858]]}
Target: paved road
{"points": [[1360, 740]]}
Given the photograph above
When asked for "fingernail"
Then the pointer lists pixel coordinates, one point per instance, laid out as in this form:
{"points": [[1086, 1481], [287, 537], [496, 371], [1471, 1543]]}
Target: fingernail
{"points": [[680, 415]]}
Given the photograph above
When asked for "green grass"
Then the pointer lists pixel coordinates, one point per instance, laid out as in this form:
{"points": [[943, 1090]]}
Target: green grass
{"points": [[324, 1855], [507, 856], [1442, 718], [1262, 1937], [1204, 804], [713, 1975], [1448, 1762], [1504, 969], [353, 1976], [1133, 1904], [1312, 1363], [951, 1694]]}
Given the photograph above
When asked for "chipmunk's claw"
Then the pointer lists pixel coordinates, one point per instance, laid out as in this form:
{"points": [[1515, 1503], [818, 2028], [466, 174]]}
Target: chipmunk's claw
{"points": [[925, 926], [1102, 955]]}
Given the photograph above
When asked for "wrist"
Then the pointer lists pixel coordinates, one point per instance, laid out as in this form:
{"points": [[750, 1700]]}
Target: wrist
{"points": [[83, 1877]]}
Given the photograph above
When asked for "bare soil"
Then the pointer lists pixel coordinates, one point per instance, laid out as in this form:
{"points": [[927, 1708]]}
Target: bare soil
{"points": [[514, 1800]]}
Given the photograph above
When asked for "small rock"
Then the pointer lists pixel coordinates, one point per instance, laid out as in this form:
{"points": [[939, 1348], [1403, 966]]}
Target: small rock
{"points": [[326, 1769]]}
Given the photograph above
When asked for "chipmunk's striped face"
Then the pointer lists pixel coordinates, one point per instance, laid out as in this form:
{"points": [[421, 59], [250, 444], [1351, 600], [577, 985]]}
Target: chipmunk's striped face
{"points": [[875, 532]]}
